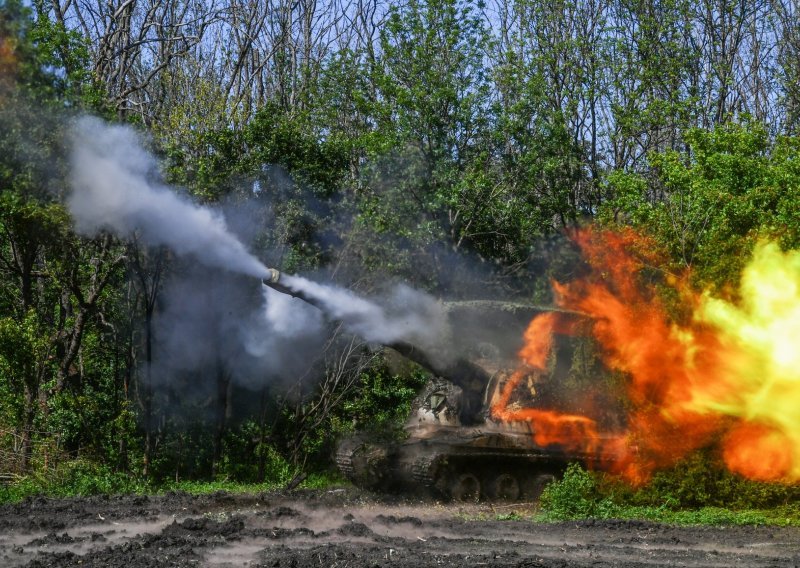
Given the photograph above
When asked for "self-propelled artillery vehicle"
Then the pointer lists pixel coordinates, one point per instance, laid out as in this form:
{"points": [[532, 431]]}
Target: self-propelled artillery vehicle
{"points": [[453, 446]]}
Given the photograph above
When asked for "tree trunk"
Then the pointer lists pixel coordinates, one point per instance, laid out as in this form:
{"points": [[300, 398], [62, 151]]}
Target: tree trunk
{"points": [[29, 414], [147, 402], [223, 396]]}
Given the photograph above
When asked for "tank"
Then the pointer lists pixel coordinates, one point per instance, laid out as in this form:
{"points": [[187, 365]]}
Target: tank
{"points": [[452, 446], [443, 458], [486, 459]]}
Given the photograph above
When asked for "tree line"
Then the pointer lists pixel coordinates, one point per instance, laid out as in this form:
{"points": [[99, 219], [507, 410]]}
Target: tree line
{"points": [[423, 140]]}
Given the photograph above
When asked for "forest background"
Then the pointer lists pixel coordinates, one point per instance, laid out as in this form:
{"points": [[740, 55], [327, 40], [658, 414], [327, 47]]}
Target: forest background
{"points": [[447, 144]]}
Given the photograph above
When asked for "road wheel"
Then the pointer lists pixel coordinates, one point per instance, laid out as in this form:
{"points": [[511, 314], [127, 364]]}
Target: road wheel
{"points": [[504, 487], [534, 487], [465, 487]]}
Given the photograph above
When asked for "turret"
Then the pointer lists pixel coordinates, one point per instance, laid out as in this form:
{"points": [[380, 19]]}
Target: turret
{"points": [[471, 378]]}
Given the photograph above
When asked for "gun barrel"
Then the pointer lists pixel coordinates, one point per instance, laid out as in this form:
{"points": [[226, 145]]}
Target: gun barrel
{"points": [[469, 376], [274, 282], [273, 278]]}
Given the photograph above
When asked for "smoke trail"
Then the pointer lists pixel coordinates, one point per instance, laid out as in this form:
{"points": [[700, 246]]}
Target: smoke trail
{"points": [[403, 315], [288, 316], [115, 187]]}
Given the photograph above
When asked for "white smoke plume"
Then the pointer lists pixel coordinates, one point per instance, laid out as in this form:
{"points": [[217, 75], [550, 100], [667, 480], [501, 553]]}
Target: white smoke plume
{"points": [[287, 316], [404, 314], [115, 187]]}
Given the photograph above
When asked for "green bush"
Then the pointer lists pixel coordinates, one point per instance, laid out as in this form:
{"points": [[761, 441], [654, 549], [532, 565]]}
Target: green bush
{"points": [[576, 495], [25, 487], [697, 490], [382, 403], [725, 190], [83, 478], [74, 478], [700, 480]]}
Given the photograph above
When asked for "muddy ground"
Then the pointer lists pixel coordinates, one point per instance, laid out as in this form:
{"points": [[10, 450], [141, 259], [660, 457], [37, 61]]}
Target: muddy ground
{"points": [[345, 528]]}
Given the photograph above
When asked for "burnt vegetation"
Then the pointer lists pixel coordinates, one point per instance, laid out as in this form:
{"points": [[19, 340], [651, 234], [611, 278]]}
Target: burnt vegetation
{"points": [[450, 145]]}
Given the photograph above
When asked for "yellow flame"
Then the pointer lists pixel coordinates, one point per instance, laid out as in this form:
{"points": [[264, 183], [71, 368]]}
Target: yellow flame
{"points": [[758, 374]]}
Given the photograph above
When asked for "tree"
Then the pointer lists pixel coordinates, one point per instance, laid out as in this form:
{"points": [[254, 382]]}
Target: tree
{"points": [[426, 101], [55, 284], [733, 186], [131, 44]]}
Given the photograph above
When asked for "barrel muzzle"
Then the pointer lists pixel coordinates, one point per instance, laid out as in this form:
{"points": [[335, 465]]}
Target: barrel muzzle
{"points": [[273, 278], [274, 282]]}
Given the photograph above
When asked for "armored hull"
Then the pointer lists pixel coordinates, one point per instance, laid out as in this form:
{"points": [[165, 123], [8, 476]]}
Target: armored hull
{"points": [[453, 446], [456, 463], [492, 460]]}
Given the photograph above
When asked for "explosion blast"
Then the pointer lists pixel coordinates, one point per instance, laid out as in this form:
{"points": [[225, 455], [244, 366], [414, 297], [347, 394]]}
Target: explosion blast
{"points": [[729, 376]]}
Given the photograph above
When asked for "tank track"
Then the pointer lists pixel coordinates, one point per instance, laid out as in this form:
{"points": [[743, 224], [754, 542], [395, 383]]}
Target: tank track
{"points": [[424, 470], [364, 463], [431, 468], [344, 457]]}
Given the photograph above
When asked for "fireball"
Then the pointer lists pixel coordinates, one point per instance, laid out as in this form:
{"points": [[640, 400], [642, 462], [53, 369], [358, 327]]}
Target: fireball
{"points": [[727, 375]]}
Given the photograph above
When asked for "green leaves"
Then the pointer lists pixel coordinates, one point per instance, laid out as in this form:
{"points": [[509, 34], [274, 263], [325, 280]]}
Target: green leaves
{"points": [[52, 63], [577, 495], [382, 403], [24, 357], [709, 204]]}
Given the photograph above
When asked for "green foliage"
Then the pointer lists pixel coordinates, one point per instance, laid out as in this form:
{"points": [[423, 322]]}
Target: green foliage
{"points": [[52, 63], [711, 204], [210, 487], [185, 454], [23, 360], [271, 139], [700, 480], [244, 452], [382, 402], [431, 79], [721, 516], [655, 100], [377, 401], [82, 477], [576, 495], [696, 491], [430, 180], [74, 478], [717, 516], [323, 480], [282, 162], [64, 55]]}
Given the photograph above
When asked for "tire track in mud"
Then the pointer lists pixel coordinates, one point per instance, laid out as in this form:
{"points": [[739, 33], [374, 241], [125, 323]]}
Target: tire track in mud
{"points": [[345, 528]]}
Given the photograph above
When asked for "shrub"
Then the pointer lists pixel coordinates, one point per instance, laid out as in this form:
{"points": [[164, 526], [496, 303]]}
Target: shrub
{"points": [[700, 480], [74, 478], [80, 477], [576, 495]]}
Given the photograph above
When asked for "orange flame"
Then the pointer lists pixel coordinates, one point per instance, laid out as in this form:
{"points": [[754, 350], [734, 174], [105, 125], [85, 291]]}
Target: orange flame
{"points": [[688, 385], [662, 362], [571, 432], [758, 452], [8, 62]]}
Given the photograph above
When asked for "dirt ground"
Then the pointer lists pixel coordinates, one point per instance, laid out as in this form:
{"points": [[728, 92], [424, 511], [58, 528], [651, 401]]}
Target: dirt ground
{"points": [[345, 528]]}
